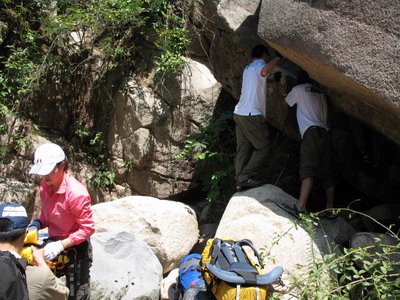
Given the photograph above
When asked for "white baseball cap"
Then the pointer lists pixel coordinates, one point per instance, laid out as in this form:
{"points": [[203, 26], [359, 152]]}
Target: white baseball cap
{"points": [[46, 158]]}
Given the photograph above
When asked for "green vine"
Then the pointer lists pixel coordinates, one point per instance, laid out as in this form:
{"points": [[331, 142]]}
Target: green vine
{"points": [[370, 272]]}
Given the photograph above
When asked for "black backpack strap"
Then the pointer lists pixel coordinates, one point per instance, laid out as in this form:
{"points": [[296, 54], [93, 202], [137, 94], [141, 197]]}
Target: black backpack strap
{"points": [[22, 264], [189, 265], [243, 267], [250, 244], [216, 248], [227, 253]]}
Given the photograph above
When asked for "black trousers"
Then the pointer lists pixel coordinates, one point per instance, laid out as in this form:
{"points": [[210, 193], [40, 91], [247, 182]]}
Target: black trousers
{"points": [[78, 272]]}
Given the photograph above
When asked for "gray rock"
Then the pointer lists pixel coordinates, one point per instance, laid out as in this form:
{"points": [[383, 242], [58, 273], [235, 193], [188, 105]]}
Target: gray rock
{"points": [[348, 46], [373, 242], [124, 267], [384, 214], [169, 228], [339, 229], [150, 124]]}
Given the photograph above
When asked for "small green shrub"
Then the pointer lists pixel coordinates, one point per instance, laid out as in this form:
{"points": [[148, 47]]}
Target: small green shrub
{"points": [[102, 179], [213, 148], [353, 273], [93, 144]]}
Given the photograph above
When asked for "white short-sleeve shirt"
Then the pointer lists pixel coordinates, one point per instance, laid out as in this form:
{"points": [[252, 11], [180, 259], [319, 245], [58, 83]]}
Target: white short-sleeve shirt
{"points": [[254, 90], [311, 107]]}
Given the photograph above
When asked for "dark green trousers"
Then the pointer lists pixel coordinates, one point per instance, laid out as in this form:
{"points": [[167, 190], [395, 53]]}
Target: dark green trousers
{"points": [[251, 145]]}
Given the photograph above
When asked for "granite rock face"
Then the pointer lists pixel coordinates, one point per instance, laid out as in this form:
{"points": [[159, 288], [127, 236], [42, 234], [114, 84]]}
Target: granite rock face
{"points": [[351, 47], [150, 124], [169, 228], [124, 267]]}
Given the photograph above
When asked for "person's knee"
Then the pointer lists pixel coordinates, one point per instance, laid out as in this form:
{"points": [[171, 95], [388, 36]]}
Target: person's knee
{"points": [[328, 185], [261, 147], [307, 172]]}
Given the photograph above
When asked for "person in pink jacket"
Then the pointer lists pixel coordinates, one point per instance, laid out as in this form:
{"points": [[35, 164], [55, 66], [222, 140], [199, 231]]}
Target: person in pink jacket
{"points": [[66, 212]]}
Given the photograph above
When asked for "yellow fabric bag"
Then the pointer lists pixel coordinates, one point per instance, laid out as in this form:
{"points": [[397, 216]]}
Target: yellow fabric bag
{"points": [[31, 239]]}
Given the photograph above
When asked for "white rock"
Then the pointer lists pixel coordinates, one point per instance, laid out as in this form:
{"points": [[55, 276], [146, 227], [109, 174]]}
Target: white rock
{"points": [[254, 215], [170, 228], [124, 267], [168, 285]]}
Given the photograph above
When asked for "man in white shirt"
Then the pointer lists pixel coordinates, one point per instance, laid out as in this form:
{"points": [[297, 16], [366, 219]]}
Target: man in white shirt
{"points": [[315, 150], [249, 117]]}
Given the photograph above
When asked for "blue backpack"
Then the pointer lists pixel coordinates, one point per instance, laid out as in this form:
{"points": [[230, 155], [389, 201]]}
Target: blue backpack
{"points": [[191, 283], [190, 272]]}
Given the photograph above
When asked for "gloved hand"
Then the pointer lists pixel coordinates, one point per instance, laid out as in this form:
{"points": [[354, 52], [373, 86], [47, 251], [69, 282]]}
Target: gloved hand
{"points": [[51, 250], [35, 225]]}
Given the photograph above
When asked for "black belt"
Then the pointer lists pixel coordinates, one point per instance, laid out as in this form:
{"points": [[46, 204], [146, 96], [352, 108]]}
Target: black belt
{"points": [[317, 127]]}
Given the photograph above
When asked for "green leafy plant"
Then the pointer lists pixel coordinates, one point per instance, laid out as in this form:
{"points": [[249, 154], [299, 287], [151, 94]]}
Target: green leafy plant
{"points": [[21, 141], [172, 43], [173, 36], [18, 78], [70, 29], [212, 147], [93, 143], [102, 179], [369, 272], [13, 139]]}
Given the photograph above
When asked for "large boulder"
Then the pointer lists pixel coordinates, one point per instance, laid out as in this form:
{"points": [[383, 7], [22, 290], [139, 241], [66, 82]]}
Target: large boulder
{"points": [[150, 124], [356, 69], [235, 33], [124, 267], [339, 229], [385, 214], [348, 46], [254, 215], [169, 228], [374, 243]]}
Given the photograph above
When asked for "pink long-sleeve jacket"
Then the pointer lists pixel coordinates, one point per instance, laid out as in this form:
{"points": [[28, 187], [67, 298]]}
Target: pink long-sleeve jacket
{"points": [[67, 212]]}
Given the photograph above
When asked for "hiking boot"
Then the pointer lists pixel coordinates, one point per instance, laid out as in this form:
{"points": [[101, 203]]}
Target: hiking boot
{"points": [[328, 214], [293, 210], [249, 183]]}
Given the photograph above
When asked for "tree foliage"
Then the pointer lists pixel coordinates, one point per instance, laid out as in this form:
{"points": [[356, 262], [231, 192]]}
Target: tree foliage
{"points": [[54, 39]]}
